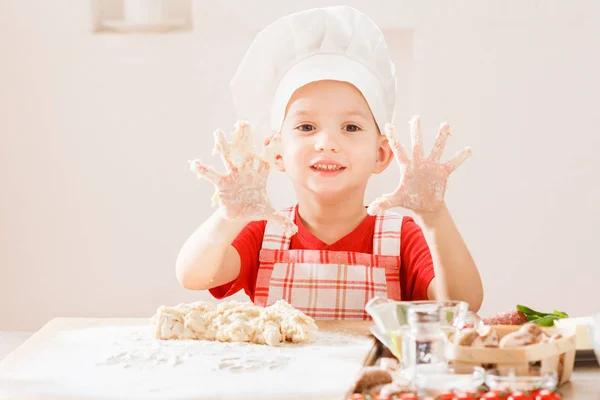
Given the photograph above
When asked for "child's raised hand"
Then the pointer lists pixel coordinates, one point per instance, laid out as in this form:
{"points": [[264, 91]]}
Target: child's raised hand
{"points": [[241, 192], [423, 182]]}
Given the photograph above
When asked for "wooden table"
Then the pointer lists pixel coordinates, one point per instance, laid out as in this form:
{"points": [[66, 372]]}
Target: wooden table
{"points": [[584, 384]]}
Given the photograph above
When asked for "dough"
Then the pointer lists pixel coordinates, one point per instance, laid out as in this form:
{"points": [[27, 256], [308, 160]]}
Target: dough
{"points": [[234, 321]]}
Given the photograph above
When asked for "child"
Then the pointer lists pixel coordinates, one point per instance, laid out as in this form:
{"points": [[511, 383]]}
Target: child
{"points": [[322, 85]]}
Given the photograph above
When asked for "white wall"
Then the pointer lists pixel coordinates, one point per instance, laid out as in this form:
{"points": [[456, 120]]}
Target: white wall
{"points": [[96, 130]]}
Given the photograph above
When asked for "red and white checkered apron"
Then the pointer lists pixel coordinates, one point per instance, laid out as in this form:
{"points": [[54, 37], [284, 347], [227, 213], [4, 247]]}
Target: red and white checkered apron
{"points": [[328, 284]]}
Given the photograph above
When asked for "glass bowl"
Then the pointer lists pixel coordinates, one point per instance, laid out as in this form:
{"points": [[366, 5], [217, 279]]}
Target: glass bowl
{"points": [[390, 315], [452, 378], [510, 380]]}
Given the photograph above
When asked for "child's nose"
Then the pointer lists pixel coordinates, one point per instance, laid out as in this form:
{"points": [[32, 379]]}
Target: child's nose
{"points": [[326, 140]]}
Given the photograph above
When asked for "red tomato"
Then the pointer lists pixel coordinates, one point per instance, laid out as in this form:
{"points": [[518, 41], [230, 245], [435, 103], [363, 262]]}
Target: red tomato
{"points": [[408, 396], [445, 395], [490, 395], [547, 395], [381, 397], [356, 396], [518, 396], [462, 396], [474, 395]]}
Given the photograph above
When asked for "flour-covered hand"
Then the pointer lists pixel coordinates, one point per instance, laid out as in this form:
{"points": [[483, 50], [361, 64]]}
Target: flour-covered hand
{"points": [[241, 192], [423, 179]]}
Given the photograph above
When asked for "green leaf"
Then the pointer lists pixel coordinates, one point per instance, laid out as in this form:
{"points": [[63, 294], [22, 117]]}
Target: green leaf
{"points": [[561, 314], [532, 314], [528, 311], [548, 320]]}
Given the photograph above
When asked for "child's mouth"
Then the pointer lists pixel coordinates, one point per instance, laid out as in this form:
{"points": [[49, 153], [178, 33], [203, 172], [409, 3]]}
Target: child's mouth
{"points": [[327, 169]]}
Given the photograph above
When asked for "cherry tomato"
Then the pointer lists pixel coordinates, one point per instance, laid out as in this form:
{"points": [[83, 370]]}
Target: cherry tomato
{"points": [[408, 396], [533, 394], [356, 396], [547, 395], [474, 395], [518, 396], [490, 395], [381, 397], [445, 395], [462, 396]]}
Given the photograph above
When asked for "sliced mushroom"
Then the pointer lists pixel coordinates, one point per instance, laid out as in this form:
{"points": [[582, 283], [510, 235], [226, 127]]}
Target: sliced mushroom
{"points": [[517, 339], [467, 336], [542, 338], [556, 337], [372, 376], [489, 336], [532, 329]]}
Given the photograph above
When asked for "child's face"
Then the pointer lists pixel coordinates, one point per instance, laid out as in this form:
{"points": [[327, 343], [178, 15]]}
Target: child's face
{"points": [[331, 143]]}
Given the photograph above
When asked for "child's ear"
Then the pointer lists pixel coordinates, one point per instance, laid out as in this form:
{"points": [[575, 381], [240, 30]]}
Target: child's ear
{"points": [[384, 155], [274, 141]]}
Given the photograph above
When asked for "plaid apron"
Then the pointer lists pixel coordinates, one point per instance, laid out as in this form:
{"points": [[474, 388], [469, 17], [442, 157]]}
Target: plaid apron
{"points": [[328, 284]]}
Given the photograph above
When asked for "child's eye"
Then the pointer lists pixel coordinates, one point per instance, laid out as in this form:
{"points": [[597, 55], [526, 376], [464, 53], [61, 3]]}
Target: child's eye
{"points": [[352, 128], [305, 128]]}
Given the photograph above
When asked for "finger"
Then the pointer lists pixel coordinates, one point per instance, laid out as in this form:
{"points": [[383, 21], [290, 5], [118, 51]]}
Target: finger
{"points": [[288, 225], [395, 145], [272, 148], [263, 166], [206, 172], [458, 159], [242, 137], [440, 143], [376, 208], [416, 137], [222, 147], [242, 132], [379, 205], [214, 200]]}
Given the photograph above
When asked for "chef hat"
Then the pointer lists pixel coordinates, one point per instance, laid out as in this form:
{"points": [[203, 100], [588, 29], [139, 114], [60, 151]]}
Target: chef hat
{"points": [[333, 43]]}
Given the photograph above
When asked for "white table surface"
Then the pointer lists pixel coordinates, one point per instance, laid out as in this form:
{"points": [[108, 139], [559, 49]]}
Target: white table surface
{"points": [[11, 340]]}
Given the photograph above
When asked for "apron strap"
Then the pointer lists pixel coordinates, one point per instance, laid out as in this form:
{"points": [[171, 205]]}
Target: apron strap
{"points": [[275, 237], [386, 237]]}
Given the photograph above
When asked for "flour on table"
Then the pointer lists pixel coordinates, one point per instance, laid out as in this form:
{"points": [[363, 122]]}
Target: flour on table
{"points": [[234, 321], [142, 351], [249, 363]]}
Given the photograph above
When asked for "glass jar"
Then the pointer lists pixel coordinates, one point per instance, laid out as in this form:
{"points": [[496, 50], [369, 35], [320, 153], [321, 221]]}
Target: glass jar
{"points": [[424, 343]]}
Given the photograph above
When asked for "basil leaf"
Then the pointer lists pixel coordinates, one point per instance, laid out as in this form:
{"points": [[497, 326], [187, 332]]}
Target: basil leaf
{"points": [[561, 314], [548, 320]]}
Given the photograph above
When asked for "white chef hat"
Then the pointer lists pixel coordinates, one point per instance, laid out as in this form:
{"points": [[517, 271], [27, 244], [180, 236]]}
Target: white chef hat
{"points": [[333, 43]]}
